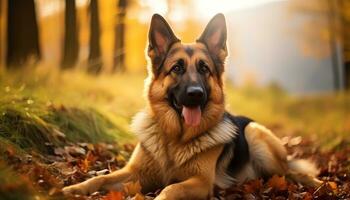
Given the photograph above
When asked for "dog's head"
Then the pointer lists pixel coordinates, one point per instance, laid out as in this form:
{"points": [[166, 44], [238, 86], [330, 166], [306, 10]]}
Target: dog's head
{"points": [[186, 88]]}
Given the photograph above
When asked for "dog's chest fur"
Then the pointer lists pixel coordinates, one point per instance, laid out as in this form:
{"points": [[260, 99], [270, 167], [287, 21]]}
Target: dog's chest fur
{"points": [[173, 154]]}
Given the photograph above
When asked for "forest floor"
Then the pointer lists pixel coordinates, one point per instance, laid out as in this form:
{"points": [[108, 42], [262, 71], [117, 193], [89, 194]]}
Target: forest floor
{"points": [[57, 129]]}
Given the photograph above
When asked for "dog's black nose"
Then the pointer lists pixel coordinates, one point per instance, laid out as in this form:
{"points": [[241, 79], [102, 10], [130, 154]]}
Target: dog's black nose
{"points": [[195, 92]]}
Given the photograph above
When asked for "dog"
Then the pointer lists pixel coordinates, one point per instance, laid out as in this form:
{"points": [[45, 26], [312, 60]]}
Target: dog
{"points": [[188, 143]]}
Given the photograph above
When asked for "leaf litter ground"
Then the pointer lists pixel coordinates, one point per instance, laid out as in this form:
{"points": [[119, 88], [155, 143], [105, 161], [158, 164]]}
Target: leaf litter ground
{"points": [[43, 176]]}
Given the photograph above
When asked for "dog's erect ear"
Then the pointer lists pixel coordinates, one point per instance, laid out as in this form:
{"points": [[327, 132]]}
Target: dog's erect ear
{"points": [[214, 37], [160, 37]]}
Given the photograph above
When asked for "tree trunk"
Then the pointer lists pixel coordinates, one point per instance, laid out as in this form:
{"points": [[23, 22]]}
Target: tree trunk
{"points": [[347, 75], [22, 33], [95, 61], [2, 32], [344, 6], [333, 44], [71, 43], [119, 50]]}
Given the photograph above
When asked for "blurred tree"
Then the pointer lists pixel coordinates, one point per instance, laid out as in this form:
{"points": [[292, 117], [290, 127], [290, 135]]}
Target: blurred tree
{"points": [[333, 42], [22, 34], [332, 19], [95, 61], [345, 24], [119, 50], [2, 31], [71, 43]]}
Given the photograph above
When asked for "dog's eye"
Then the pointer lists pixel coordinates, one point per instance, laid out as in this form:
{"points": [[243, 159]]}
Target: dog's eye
{"points": [[203, 68], [178, 68]]}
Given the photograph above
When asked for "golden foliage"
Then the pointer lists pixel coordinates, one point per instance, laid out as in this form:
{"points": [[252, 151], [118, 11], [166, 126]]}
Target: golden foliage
{"points": [[327, 22]]}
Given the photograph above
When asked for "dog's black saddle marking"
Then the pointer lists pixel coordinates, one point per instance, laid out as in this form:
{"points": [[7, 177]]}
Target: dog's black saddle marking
{"points": [[239, 145]]}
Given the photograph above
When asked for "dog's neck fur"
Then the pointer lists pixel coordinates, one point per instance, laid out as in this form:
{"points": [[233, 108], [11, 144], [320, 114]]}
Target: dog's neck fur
{"points": [[177, 152]]}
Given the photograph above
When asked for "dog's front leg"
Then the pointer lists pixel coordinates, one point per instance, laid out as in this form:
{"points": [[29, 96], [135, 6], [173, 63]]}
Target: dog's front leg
{"points": [[105, 181], [196, 187], [127, 173]]}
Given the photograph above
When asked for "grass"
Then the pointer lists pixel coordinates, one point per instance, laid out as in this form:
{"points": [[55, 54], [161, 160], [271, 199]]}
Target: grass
{"points": [[323, 118], [34, 105]]}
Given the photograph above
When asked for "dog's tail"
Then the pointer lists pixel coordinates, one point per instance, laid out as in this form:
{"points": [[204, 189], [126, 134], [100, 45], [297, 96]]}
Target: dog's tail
{"points": [[303, 171]]}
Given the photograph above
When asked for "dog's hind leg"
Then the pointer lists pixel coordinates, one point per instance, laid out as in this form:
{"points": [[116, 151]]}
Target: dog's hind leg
{"points": [[267, 153], [269, 157]]}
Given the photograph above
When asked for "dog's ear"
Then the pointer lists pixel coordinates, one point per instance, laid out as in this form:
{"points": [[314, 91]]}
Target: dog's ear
{"points": [[160, 37], [214, 37]]}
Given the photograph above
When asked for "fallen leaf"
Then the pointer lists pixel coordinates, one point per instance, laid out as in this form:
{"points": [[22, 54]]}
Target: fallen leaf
{"points": [[333, 185], [253, 186], [114, 195], [278, 183], [75, 151], [84, 164]]}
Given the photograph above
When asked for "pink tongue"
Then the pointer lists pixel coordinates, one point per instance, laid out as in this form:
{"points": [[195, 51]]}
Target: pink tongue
{"points": [[192, 115]]}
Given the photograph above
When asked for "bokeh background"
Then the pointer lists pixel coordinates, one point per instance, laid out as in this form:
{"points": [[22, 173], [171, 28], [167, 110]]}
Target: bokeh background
{"points": [[288, 64], [303, 46], [72, 75]]}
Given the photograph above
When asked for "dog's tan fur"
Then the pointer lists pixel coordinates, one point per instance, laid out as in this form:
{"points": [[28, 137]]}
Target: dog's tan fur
{"points": [[184, 159]]}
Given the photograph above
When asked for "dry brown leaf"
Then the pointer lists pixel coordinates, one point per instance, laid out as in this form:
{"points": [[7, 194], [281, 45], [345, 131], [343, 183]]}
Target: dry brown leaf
{"points": [[277, 183]]}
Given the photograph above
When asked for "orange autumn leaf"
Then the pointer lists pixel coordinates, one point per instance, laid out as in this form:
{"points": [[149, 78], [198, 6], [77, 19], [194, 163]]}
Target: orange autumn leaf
{"points": [[278, 183], [252, 186], [132, 188], [114, 195], [333, 185], [84, 165]]}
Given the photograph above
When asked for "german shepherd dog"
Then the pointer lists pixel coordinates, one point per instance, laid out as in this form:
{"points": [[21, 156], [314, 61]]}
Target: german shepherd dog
{"points": [[188, 142]]}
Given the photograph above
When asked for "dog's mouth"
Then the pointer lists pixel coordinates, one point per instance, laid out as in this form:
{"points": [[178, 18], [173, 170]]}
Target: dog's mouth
{"points": [[190, 114]]}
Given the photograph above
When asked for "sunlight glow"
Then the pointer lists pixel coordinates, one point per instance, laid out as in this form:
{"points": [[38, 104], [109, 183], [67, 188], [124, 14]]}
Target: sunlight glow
{"points": [[179, 11], [48, 8], [208, 8]]}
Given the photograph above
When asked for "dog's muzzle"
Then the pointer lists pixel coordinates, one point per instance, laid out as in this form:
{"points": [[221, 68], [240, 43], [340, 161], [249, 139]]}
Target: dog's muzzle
{"points": [[189, 103]]}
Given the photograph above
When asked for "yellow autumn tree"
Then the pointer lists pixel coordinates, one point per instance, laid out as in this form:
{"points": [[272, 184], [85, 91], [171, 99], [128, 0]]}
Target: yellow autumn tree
{"points": [[332, 19]]}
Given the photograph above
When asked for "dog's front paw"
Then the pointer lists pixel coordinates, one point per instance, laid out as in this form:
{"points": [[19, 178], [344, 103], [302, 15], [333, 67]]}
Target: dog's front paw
{"points": [[87, 187], [161, 197], [80, 188], [169, 193]]}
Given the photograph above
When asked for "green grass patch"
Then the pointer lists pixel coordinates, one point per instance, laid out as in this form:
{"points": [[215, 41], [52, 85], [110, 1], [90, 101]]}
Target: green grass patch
{"points": [[37, 111]]}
